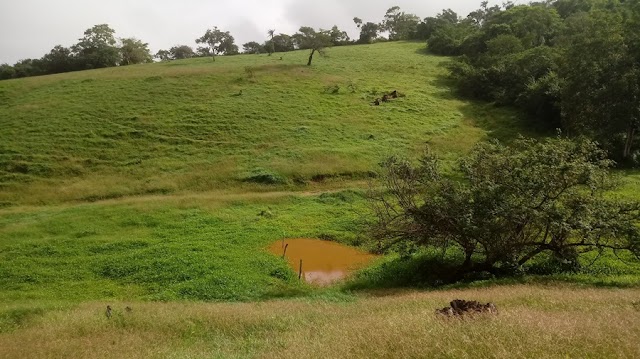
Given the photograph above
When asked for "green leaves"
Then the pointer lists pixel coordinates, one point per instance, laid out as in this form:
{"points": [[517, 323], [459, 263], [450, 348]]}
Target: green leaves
{"points": [[512, 203]]}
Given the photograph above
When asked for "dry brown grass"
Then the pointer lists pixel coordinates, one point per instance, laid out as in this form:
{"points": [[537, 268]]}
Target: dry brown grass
{"points": [[534, 322]]}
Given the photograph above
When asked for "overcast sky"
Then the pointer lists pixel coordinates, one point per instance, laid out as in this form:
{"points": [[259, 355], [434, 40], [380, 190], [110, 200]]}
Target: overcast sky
{"points": [[30, 28]]}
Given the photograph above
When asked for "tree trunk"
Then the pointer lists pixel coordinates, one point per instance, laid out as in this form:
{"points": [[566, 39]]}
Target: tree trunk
{"points": [[530, 256], [467, 261], [311, 57], [629, 142]]}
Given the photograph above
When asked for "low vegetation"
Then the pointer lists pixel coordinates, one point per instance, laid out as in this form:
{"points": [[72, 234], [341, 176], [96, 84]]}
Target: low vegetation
{"points": [[157, 189], [533, 321], [511, 204]]}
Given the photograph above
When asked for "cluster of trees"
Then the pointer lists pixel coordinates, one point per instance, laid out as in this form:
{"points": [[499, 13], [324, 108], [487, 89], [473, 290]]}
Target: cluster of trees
{"points": [[396, 23], [97, 49], [510, 205], [573, 64], [217, 42]]}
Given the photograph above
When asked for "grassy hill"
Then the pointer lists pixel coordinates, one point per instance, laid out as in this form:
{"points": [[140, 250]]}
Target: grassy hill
{"points": [[196, 125], [168, 181]]}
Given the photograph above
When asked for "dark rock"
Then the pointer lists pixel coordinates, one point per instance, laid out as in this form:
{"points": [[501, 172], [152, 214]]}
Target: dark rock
{"points": [[460, 307]]}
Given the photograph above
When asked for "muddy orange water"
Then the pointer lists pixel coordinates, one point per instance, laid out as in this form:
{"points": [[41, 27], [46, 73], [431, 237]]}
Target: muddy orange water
{"points": [[323, 262]]}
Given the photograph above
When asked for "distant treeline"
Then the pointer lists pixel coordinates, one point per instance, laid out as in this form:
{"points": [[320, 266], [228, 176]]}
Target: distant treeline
{"points": [[572, 64], [99, 47]]}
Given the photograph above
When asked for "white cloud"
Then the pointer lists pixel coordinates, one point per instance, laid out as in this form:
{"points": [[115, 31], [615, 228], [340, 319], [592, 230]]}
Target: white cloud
{"points": [[30, 28]]}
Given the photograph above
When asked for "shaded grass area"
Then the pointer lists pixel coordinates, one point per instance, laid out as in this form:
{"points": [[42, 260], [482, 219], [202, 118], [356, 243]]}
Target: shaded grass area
{"points": [[430, 269], [533, 321]]}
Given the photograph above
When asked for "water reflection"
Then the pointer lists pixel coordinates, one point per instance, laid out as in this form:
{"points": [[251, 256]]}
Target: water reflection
{"points": [[323, 262]]}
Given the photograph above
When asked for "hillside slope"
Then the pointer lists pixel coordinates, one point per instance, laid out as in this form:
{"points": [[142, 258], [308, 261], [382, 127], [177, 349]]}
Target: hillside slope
{"points": [[196, 125]]}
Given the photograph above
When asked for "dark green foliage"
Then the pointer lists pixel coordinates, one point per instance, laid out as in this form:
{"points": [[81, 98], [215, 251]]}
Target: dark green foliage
{"points": [[134, 51], [217, 42], [182, 52], [602, 81], [176, 53], [571, 64], [280, 43], [310, 39], [400, 25], [252, 47], [7, 72], [97, 49], [368, 33], [338, 37], [263, 176], [512, 204]]}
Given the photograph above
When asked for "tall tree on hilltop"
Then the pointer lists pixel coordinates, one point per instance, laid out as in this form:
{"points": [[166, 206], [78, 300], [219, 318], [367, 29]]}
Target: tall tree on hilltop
{"points": [[7, 72], [60, 59], [134, 51], [400, 25], [217, 42], [316, 41], [97, 49], [163, 55], [339, 37], [368, 32], [481, 16], [252, 47], [272, 49], [181, 52]]}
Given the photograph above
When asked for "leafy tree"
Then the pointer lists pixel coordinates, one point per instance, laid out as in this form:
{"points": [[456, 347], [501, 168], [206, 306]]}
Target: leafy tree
{"points": [[339, 37], [7, 72], [272, 46], [368, 32], [217, 42], [429, 25], [357, 21], [448, 16], [316, 41], [204, 51], [252, 48], [281, 43], [481, 16], [60, 59], [181, 52], [97, 49], [567, 8], [511, 204], [28, 67], [534, 25], [449, 38], [400, 25], [163, 55], [602, 82], [134, 51]]}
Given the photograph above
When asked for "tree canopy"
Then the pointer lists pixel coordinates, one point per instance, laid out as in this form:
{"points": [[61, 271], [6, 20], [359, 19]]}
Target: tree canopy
{"points": [[217, 42], [570, 64], [316, 41], [511, 204]]}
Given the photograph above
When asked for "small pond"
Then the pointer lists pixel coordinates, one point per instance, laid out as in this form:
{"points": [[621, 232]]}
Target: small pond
{"points": [[323, 262]]}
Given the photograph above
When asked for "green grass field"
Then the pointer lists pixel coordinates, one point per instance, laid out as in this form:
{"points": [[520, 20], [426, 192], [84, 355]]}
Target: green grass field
{"points": [[167, 182], [179, 126]]}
